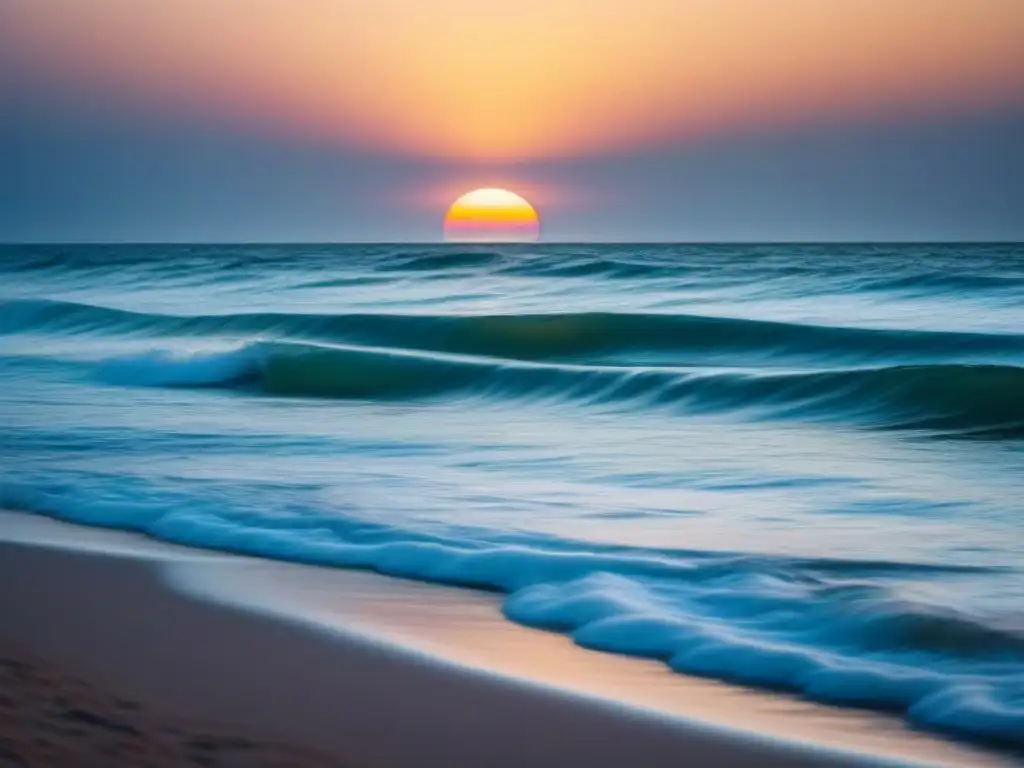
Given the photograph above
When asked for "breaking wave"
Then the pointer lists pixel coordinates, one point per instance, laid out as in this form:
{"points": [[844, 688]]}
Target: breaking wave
{"points": [[969, 399]]}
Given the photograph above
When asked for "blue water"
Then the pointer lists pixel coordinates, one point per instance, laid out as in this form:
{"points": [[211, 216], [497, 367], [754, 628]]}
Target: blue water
{"points": [[795, 467]]}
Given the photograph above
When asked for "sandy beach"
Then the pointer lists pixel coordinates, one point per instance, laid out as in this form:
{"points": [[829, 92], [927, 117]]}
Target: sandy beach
{"points": [[118, 650]]}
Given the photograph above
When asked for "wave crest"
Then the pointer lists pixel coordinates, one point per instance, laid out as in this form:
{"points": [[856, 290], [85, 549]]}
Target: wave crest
{"points": [[968, 399]]}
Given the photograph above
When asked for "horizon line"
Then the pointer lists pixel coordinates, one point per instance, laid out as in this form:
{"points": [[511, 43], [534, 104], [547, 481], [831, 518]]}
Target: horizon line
{"points": [[518, 244]]}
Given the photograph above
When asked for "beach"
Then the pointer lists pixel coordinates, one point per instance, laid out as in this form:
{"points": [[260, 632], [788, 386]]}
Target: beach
{"points": [[155, 649]]}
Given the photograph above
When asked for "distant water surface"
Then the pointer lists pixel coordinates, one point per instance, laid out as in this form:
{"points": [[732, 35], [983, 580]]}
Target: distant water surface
{"points": [[795, 467]]}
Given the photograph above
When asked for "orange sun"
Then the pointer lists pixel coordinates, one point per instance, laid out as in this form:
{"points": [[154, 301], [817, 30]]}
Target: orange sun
{"points": [[491, 215]]}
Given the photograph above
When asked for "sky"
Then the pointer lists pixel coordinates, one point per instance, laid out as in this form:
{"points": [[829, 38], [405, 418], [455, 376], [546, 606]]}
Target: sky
{"points": [[344, 120]]}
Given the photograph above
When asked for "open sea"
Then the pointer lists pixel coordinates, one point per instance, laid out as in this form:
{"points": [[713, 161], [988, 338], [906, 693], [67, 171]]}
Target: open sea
{"points": [[792, 467]]}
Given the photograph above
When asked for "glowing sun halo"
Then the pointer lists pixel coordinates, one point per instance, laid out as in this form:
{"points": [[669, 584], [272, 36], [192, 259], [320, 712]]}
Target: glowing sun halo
{"points": [[491, 215]]}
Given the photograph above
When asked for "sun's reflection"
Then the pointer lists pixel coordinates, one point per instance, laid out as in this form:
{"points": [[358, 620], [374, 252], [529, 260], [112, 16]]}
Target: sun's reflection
{"points": [[467, 627]]}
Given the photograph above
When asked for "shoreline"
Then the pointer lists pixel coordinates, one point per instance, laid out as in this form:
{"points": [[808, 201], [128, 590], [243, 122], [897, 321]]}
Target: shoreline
{"points": [[245, 644]]}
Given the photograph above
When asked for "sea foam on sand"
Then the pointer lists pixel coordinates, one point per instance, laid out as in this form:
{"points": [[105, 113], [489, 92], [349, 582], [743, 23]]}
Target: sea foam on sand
{"points": [[107, 611]]}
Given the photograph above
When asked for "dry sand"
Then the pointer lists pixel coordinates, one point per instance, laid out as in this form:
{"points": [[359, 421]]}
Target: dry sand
{"points": [[261, 685], [50, 718]]}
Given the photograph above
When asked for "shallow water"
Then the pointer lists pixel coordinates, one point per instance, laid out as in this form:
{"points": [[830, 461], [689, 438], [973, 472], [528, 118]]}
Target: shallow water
{"points": [[798, 467]]}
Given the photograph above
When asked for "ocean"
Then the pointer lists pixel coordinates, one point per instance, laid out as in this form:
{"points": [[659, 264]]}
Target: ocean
{"points": [[794, 467]]}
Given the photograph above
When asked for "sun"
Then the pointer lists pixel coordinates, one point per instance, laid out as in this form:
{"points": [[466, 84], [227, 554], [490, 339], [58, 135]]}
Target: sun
{"points": [[491, 215]]}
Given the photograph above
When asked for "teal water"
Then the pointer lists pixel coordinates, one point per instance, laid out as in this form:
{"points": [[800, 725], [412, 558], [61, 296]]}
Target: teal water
{"points": [[795, 467]]}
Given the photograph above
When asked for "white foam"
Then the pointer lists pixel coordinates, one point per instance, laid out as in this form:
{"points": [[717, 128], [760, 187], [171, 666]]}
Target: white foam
{"points": [[765, 622]]}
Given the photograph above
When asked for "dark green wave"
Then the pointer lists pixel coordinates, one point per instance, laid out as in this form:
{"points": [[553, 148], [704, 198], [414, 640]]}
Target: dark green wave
{"points": [[963, 400], [619, 338]]}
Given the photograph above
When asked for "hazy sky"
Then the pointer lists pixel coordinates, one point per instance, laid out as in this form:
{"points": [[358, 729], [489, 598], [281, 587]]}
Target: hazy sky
{"points": [[306, 120]]}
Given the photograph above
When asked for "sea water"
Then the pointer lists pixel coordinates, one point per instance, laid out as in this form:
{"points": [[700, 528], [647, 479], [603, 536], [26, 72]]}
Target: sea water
{"points": [[793, 467]]}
